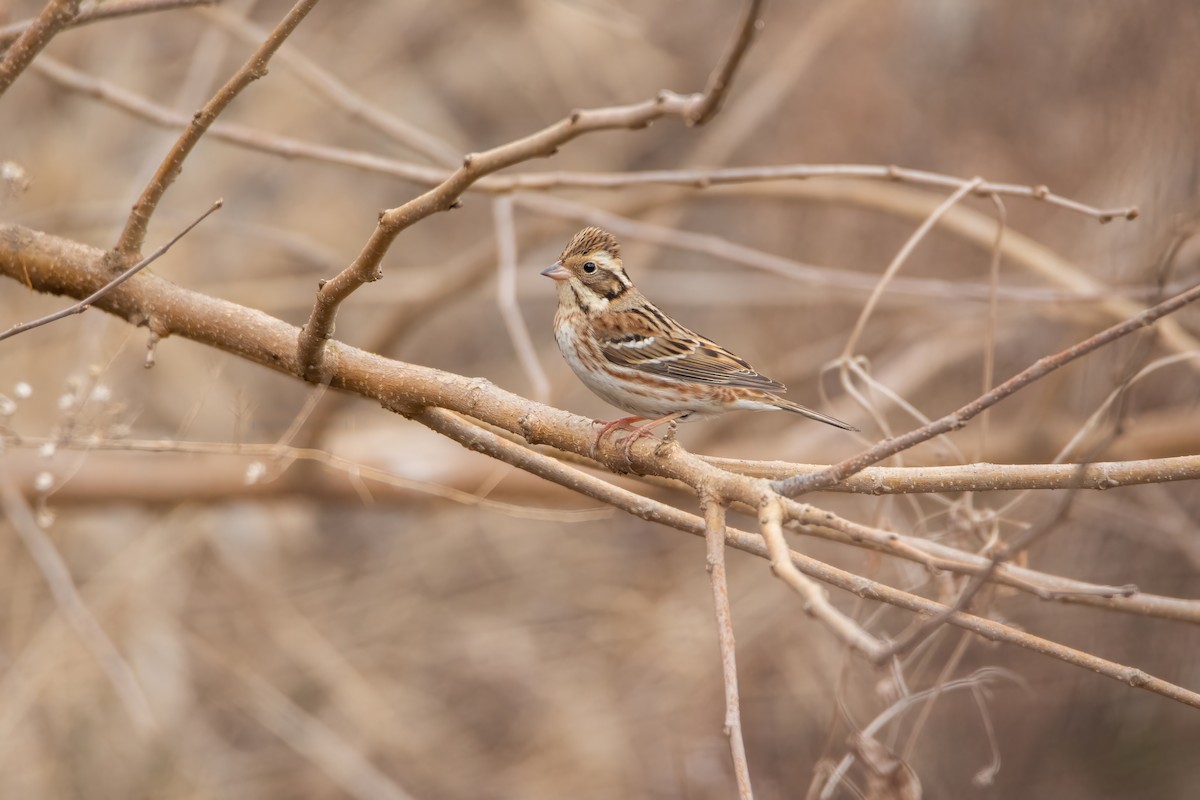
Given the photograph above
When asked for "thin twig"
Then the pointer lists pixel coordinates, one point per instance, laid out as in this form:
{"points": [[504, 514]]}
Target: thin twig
{"points": [[86, 303], [506, 297], [110, 10], [134, 234], [284, 456], [799, 484], [54, 17], [923, 628], [721, 77], [898, 261], [714, 537], [901, 706]]}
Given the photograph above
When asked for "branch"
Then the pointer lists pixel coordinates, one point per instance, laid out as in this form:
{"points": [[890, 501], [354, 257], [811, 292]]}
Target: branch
{"points": [[714, 537], [982, 477], [86, 303], [50, 264], [483, 441], [800, 484], [134, 234], [816, 602], [722, 76], [544, 143], [695, 178], [54, 17], [340, 94], [113, 9]]}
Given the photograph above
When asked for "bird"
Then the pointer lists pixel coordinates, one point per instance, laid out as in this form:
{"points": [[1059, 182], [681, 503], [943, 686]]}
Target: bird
{"points": [[638, 358]]}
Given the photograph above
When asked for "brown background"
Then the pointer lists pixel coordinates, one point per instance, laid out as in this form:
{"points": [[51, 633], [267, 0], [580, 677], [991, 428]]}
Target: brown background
{"points": [[472, 652]]}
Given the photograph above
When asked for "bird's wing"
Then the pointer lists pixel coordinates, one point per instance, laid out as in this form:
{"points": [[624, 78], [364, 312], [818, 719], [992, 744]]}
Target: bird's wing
{"points": [[646, 339]]}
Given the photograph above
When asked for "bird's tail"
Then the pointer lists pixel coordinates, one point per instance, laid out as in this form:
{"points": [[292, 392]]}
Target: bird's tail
{"points": [[796, 408]]}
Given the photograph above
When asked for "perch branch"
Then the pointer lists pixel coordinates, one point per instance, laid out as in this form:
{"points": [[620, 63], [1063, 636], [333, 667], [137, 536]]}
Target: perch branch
{"points": [[50, 264]]}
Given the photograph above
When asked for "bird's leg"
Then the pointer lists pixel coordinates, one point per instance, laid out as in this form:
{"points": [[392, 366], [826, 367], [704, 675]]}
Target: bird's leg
{"points": [[649, 426], [622, 424]]}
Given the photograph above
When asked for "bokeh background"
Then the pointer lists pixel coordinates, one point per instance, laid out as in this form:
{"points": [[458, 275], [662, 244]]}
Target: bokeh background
{"points": [[470, 632]]}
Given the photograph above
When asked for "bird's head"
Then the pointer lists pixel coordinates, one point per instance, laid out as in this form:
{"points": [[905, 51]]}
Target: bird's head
{"points": [[590, 268]]}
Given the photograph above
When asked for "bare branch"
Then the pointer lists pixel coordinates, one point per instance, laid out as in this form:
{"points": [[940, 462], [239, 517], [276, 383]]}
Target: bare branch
{"points": [[1097, 475], [134, 234], [86, 303], [113, 9], [476, 438], [898, 261], [51, 264], [722, 76], [696, 178], [816, 601], [714, 537], [54, 17], [506, 297], [799, 484], [337, 92], [544, 143]]}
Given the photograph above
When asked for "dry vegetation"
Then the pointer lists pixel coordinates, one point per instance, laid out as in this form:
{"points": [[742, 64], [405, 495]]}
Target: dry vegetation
{"points": [[221, 580]]}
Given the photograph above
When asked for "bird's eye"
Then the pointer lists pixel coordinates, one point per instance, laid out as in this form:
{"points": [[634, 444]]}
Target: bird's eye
{"points": [[589, 267]]}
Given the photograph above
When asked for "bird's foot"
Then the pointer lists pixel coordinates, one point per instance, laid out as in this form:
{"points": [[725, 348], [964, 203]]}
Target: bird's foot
{"points": [[622, 424]]}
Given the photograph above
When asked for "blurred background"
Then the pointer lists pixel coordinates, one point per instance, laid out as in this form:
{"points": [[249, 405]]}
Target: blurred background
{"points": [[287, 628]]}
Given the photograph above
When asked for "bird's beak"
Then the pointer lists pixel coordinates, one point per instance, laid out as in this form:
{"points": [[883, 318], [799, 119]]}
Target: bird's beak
{"points": [[556, 271]]}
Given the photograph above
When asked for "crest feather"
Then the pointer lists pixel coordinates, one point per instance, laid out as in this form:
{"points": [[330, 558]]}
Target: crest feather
{"points": [[589, 240]]}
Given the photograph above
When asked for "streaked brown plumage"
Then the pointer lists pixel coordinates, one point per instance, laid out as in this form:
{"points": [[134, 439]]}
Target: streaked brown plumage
{"points": [[639, 359]]}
